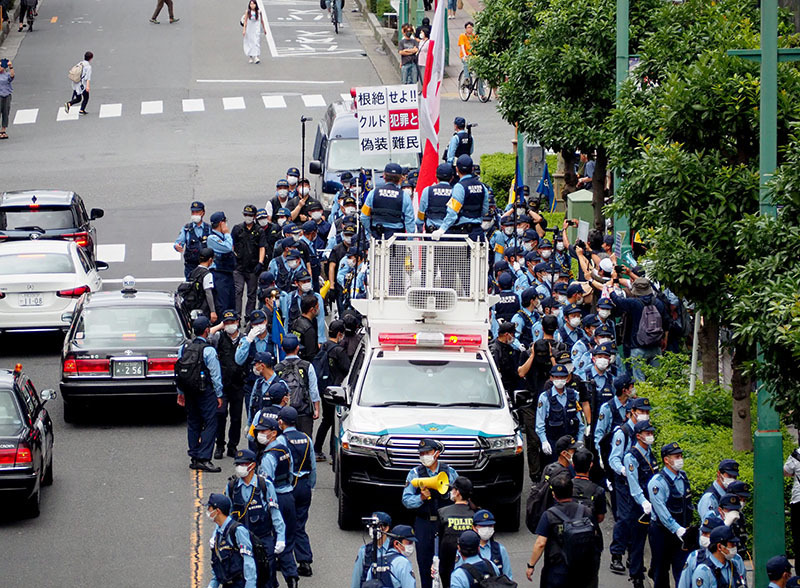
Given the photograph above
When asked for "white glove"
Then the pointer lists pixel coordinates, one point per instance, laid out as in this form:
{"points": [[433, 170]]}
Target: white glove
{"points": [[647, 507], [546, 449], [279, 547], [254, 332], [587, 431], [516, 266], [437, 234], [731, 517], [623, 473], [680, 532]]}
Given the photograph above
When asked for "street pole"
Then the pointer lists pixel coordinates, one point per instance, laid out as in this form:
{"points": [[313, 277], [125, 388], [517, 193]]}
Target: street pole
{"points": [[622, 237], [303, 120]]}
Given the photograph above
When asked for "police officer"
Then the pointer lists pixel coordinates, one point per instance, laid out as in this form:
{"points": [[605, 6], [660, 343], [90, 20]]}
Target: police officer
{"points": [[468, 203], [779, 571], [557, 412], [367, 554], [570, 331], [426, 502], [527, 276], [525, 318], [699, 555], [337, 254], [249, 243], [454, 520], [727, 472], [255, 505], [611, 416], [221, 243], [201, 274], [724, 567], [256, 340], [602, 334], [264, 371], [400, 572], [599, 383], [305, 478], [387, 210], [352, 276], [502, 239], [309, 239], [192, 238], [284, 266], [483, 524], [434, 199], [276, 465], [671, 497], [315, 212], [508, 305], [201, 405], [232, 563], [472, 566], [225, 338], [640, 467], [304, 388], [588, 323], [461, 142], [282, 195]]}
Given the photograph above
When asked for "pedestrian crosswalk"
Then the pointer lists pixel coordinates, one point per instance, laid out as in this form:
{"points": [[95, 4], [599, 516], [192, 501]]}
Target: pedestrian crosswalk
{"points": [[115, 252], [27, 116]]}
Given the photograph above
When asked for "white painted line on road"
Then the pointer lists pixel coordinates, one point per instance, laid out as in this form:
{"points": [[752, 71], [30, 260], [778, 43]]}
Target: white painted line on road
{"points": [[234, 103], [163, 252], [292, 82], [274, 102], [26, 117], [111, 253], [313, 100], [193, 105], [346, 97], [153, 107], [273, 49], [148, 280], [110, 110], [73, 114]]}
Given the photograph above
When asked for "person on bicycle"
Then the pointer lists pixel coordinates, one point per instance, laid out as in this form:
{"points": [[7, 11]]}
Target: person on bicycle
{"points": [[339, 4], [461, 142], [465, 40]]}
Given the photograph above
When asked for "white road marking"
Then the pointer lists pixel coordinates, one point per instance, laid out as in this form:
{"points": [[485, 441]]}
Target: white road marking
{"points": [[147, 280], [26, 117], [152, 107], [233, 103], [111, 253], [274, 102], [288, 82], [273, 49], [110, 110], [163, 252], [346, 97], [193, 105], [73, 114], [313, 100]]}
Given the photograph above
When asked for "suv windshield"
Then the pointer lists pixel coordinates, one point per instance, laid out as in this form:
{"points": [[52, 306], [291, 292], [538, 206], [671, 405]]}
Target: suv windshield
{"points": [[131, 327], [36, 263], [343, 154], [44, 218], [10, 421], [429, 383]]}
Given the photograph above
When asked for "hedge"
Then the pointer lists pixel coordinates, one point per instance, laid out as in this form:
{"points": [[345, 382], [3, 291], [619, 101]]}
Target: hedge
{"points": [[497, 172]]}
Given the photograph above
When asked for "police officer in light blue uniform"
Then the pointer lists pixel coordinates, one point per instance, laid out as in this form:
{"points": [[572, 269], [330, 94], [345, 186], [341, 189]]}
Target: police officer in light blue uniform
{"points": [[601, 335], [433, 200], [727, 472], [526, 317], [506, 308], [598, 379], [483, 524], [353, 268], [470, 201], [470, 557], [584, 345], [283, 268], [263, 363], [277, 465], [548, 306], [221, 243], [309, 238], [276, 397], [365, 556], [304, 469], [400, 573], [192, 238], [780, 570], [605, 311], [699, 555], [387, 210], [571, 331], [502, 239], [545, 277], [291, 306], [461, 142], [724, 567], [256, 341], [232, 562], [557, 412], [527, 277]]}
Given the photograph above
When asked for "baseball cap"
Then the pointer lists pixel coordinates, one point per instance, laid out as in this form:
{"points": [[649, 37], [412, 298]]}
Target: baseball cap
{"points": [[282, 183], [403, 532], [572, 309], [730, 467], [741, 489], [559, 371], [604, 349], [290, 342], [264, 357], [249, 209], [206, 253], [301, 275], [288, 415], [527, 295], [266, 423], [444, 171], [283, 211], [230, 315], [459, 121], [200, 324], [383, 518], [429, 445], [505, 280], [277, 390], [309, 226], [643, 427], [464, 162], [220, 501], [463, 485], [393, 168], [671, 449], [469, 540], [506, 327], [622, 382], [483, 518], [710, 522], [723, 534], [266, 278], [605, 303], [262, 213], [293, 171], [777, 566], [641, 403], [564, 443], [244, 456], [574, 288]]}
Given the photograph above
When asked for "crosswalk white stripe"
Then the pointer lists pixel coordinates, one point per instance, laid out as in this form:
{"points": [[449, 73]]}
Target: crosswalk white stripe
{"points": [[193, 105], [273, 101], [147, 280], [110, 110], [62, 116], [313, 100], [113, 253], [163, 252], [346, 97], [26, 117], [233, 103], [152, 107]]}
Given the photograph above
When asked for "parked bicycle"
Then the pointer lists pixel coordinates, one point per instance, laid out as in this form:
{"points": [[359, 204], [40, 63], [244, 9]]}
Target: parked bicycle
{"points": [[467, 86]]}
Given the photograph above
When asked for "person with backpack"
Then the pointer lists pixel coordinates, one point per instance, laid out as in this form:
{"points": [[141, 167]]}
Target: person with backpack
{"points": [[225, 339], [568, 538], [474, 571], [699, 555], [197, 292], [400, 572], [724, 568], [292, 306], [256, 341], [331, 365], [255, 505], [192, 238], [81, 76], [249, 247], [366, 553], [483, 524], [647, 324], [305, 327], [260, 395], [727, 473], [198, 380], [557, 412], [301, 379], [454, 520], [304, 469], [598, 382], [276, 397], [221, 243], [232, 563], [584, 490]]}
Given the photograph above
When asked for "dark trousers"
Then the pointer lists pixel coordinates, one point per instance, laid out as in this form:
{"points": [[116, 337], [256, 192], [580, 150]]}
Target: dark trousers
{"points": [[223, 291], [795, 522], [328, 416], [231, 405], [666, 552], [187, 269], [83, 98], [160, 5], [533, 447], [5, 109], [638, 536], [286, 559], [268, 542], [201, 425], [305, 423], [621, 535], [302, 502], [425, 532], [240, 281]]}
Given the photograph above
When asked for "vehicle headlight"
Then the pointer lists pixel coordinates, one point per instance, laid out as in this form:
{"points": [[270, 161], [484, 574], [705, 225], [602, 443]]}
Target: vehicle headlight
{"points": [[506, 444], [360, 441]]}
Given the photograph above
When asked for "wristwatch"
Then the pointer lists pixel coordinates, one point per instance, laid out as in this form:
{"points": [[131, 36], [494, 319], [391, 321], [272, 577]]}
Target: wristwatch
{"points": [[530, 567]]}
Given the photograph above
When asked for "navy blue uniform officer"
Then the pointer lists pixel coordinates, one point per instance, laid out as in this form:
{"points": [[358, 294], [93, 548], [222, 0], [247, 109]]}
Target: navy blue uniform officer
{"points": [[192, 238], [469, 543], [468, 203], [387, 210], [232, 562], [365, 555]]}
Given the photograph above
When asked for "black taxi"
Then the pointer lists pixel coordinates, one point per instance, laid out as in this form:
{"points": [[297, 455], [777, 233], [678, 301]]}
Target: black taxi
{"points": [[26, 441], [121, 344]]}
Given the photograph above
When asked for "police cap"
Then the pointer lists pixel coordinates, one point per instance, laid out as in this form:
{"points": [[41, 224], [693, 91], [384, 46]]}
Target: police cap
{"points": [[730, 502], [293, 171], [777, 566], [604, 331], [723, 534], [266, 279], [793, 582], [290, 342], [505, 280], [741, 489], [500, 266], [545, 244], [483, 518], [266, 423], [558, 287], [197, 206], [469, 540], [277, 391], [572, 309], [429, 445], [506, 327], [230, 315], [282, 183], [531, 257], [530, 235], [464, 163], [257, 317], [710, 522], [393, 168], [403, 533], [249, 209], [353, 252], [217, 218], [283, 211], [244, 456], [302, 275], [265, 357], [528, 295], [622, 382], [730, 467], [558, 371], [348, 200], [524, 218], [290, 229], [309, 226], [200, 324], [221, 502], [291, 252], [643, 427], [444, 171], [506, 221], [574, 288], [590, 320], [671, 449], [288, 415], [605, 303], [540, 267], [460, 122], [641, 403], [549, 302], [262, 213], [604, 349]]}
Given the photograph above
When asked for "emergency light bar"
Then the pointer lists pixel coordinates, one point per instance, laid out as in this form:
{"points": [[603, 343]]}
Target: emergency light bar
{"points": [[428, 340]]}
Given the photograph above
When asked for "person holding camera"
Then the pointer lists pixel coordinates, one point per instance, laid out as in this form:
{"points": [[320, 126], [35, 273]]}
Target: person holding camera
{"points": [[379, 523], [6, 77], [400, 572]]}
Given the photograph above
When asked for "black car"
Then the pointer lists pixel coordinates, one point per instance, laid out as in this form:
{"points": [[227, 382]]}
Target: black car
{"points": [[48, 214], [26, 441], [121, 344]]}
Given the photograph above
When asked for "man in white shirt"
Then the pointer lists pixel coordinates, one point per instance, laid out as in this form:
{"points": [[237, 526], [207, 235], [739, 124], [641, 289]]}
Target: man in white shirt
{"points": [[80, 89]]}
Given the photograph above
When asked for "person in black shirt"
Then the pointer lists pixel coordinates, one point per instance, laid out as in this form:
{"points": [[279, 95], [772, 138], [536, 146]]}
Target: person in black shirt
{"points": [[583, 489], [338, 253], [225, 338], [272, 233], [305, 327], [248, 247], [352, 333], [454, 520], [339, 365], [506, 357]]}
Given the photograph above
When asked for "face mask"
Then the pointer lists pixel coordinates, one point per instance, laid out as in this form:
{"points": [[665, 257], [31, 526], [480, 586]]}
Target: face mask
{"points": [[560, 246], [559, 383], [292, 180], [527, 246], [546, 253], [305, 191], [407, 192], [294, 263], [603, 313], [731, 552], [281, 221], [283, 194], [426, 460], [210, 514], [601, 340], [509, 231], [316, 215], [305, 287], [643, 417], [601, 363], [731, 517], [262, 438], [561, 298], [196, 218], [231, 328], [613, 358], [263, 222], [568, 457], [242, 471], [248, 219], [297, 237], [350, 262], [648, 439], [704, 541], [486, 225], [726, 481], [520, 231], [349, 211], [485, 533], [575, 322], [677, 464], [256, 371], [408, 550]]}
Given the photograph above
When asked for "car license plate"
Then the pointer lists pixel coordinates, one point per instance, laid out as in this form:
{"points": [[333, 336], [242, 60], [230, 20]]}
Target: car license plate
{"points": [[29, 299], [128, 369]]}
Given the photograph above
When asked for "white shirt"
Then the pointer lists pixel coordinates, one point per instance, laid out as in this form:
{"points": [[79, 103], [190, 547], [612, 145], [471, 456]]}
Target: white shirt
{"points": [[85, 77], [792, 466], [422, 56]]}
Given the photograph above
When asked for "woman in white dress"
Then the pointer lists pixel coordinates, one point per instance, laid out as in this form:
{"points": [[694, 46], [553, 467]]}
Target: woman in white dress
{"points": [[252, 27]]}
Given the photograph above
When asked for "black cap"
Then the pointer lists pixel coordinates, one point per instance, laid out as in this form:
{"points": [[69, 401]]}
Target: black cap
{"points": [[565, 443], [249, 209], [429, 445], [506, 327], [464, 163], [723, 534], [288, 414], [206, 253], [777, 566], [671, 449], [463, 485]]}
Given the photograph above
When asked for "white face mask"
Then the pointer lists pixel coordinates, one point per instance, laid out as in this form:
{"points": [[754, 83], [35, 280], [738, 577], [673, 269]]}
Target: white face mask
{"points": [[210, 514], [642, 416], [292, 180], [560, 298], [196, 218], [256, 371], [248, 219], [408, 550], [648, 439], [604, 313], [726, 481], [283, 194], [263, 222], [601, 363], [520, 231], [281, 221], [427, 460], [347, 239], [704, 541], [294, 263], [305, 286], [262, 438], [560, 246], [297, 237], [575, 322], [316, 215], [528, 246], [242, 471], [677, 464], [486, 225], [601, 340], [407, 192], [350, 262], [305, 190], [349, 211], [231, 328], [732, 551], [508, 231], [485, 533], [559, 383], [546, 253]]}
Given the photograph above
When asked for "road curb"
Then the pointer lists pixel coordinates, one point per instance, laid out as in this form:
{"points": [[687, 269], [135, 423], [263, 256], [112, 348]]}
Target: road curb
{"points": [[384, 36], [6, 28]]}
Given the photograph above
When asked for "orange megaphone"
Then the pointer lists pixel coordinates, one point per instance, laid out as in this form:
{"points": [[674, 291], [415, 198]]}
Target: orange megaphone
{"points": [[440, 483]]}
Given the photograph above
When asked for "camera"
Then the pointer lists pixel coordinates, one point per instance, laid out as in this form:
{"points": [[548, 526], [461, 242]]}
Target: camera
{"points": [[619, 269], [571, 223]]}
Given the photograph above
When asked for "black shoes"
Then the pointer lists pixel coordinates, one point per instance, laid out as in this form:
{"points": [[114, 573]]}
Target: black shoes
{"points": [[637, 582], [292, 582], [218, 454], [617, 566], [321, 457], [304, 569], [231, 451], [204, 465]]}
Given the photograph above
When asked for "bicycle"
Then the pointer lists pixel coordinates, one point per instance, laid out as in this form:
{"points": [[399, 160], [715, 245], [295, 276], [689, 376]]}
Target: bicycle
{"points": [[473, 85], [336, 15]]}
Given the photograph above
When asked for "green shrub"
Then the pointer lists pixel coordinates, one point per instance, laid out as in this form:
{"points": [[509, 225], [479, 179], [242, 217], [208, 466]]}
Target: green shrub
{"points": [[497, 172], [381, 7], [552, 164]]}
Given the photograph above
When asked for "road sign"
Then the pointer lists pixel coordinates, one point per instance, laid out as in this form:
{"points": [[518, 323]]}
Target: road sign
{"points": [[388, 119]]}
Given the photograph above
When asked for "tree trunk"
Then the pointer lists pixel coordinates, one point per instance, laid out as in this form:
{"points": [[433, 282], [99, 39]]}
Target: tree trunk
{"points": [[599, 188], [794, 8], [741, 390], [709, 350], [568, 155]]}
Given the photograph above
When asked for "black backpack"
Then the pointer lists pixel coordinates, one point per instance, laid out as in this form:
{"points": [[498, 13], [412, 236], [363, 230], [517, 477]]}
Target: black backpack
{"points": [[487, 579], [191, 293], [295, 374], [537, 503], [651, 328], [577, 538], [322, 366], [190, 369], [260, 555]]}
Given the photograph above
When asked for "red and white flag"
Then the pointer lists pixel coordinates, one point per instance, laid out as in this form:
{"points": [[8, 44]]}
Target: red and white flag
{"points": [[429, 105]]}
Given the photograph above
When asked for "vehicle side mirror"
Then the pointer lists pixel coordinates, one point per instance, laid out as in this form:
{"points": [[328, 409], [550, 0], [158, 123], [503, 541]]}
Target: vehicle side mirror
{"points": [[521, 398], [67, 317], [335, 395], [96, 213], [101, 266], [46, 395], [315, 167]]}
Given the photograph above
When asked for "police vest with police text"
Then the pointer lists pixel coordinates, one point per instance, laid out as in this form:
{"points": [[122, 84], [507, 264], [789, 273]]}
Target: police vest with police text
{"points": [[526, 336], [226, 561], [507, 306], [193, 244], [253, 513], [224, 262], [464, 146], [300, 446], [283, 471], [561, 420], [438, 197], [474, 195], [387, 205]]}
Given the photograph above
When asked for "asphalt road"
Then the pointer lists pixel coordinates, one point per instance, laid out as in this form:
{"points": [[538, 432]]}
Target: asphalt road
{"points": [[125, 509]]}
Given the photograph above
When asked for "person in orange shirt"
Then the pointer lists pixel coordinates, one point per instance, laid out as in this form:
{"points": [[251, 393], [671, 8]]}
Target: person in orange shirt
{"points": [[465, 45]]}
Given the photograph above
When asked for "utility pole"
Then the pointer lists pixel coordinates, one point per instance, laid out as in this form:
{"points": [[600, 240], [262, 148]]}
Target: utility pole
{"points": [[622, 236]]}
